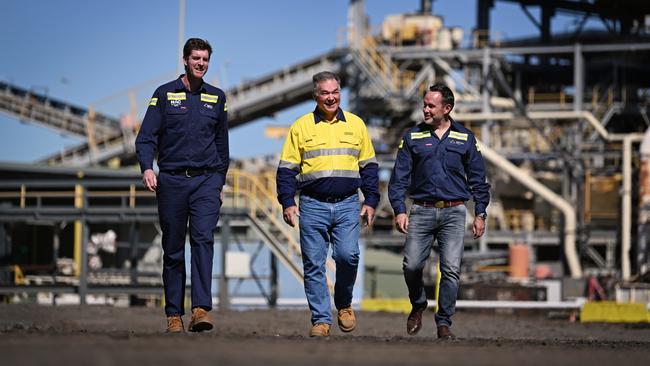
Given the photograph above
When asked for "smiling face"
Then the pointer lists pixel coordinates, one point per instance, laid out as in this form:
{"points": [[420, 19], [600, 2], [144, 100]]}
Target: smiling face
{"points": [[434, 109], [196, 64], [328, 98]]}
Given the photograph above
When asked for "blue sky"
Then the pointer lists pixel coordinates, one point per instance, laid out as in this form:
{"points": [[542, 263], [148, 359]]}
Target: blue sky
{"points": [[84, 52]]}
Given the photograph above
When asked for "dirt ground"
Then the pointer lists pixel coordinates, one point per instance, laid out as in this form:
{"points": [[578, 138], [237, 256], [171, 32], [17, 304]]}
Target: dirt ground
{"points": [[98, 335]]}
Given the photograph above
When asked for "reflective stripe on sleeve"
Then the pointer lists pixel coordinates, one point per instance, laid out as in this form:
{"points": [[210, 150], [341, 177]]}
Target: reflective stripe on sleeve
{"points": [[363, 163], [289, 165], [153, 101]]}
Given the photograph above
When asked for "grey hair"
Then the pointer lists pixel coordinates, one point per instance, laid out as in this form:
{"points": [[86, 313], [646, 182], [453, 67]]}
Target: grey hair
{"points": [[323, 76]]}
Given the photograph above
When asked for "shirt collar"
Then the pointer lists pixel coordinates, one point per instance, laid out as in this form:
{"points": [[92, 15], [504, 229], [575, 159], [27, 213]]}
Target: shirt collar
{"points": [[179, 86], [318, 117]]}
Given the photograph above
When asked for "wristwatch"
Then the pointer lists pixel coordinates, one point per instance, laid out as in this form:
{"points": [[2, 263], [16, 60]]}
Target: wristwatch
{"points": [[482, 216]]}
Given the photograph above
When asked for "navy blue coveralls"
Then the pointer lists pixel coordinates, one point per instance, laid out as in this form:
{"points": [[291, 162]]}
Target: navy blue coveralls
{"points": [[188, 131]]}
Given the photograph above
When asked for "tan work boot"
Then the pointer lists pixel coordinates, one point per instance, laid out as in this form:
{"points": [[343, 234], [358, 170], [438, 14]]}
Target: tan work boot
{"points": [[201, 320], [347, 321], [174, 324], [320, 330]]}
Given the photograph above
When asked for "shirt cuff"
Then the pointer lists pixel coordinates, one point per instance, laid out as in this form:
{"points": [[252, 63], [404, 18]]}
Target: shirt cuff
{"points": [[399, 209], [288, 203], [372, 202], [480, 208]]}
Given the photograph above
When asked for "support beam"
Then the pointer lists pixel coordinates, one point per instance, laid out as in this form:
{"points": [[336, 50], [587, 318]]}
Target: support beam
{"points": [[578, 78]]}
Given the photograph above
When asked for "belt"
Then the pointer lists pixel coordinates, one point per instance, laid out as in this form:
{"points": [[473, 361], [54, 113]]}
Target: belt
{"points": [[331, 199], [191, 172], [438, 204]]}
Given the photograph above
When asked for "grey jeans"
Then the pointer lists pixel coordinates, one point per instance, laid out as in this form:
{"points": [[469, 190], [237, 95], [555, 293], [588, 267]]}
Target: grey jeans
{"points": [[426, 225]]}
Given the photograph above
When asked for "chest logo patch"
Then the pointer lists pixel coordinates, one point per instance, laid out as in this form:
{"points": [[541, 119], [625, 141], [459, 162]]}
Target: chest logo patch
{"points": [[175, 103]]}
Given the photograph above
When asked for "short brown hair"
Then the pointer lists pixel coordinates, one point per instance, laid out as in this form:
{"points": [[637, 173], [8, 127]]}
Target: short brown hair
{"points": [[196, 44]]}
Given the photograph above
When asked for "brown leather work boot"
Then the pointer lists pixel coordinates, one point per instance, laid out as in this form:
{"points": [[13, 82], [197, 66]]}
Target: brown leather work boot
{"points": [[201, 320], [174, 324], [347, 321], [320, 330], [444, 333], [414, 321]]}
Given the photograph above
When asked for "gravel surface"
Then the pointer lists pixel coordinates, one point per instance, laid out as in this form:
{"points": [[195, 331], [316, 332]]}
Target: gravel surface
{"points": [[99, 335]]}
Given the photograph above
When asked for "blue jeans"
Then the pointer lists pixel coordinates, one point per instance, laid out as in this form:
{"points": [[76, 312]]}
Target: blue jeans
{"points": [[322, 224], [447, 226]]}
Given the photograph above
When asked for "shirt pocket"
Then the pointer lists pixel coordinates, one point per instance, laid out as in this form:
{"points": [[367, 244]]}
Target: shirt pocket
{"points": [[314, 142], [454, 157], [350, 141], [176, 118], [209, 119]]}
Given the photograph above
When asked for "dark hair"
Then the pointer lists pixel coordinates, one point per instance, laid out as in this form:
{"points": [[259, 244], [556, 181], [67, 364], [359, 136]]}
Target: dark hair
{"points": [[322, 76], [447, 94], [196, 44]]}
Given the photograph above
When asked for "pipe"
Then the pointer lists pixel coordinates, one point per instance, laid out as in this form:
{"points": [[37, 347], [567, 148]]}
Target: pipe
{"points": [[554, 199], [627, 139], [626, 205]]}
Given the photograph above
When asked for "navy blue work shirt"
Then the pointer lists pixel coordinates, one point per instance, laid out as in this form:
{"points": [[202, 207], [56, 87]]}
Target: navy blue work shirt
{"points": [[429, 168], [185, 129]]}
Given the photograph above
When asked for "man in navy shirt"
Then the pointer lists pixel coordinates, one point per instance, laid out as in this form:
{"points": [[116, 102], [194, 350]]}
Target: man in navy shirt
{"points": [[186, 127], [440, 165]]}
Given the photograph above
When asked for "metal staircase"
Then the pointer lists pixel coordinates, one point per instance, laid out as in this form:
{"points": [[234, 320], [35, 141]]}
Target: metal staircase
{"points": [[257, 195], [107, 140]]}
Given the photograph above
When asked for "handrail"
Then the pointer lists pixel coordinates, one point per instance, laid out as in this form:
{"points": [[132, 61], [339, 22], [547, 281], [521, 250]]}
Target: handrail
{"points": [[253, 193], [261, 199]]}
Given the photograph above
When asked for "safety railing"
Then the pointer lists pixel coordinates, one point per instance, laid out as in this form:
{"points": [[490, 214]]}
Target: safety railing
{"points": [[256, 194]]}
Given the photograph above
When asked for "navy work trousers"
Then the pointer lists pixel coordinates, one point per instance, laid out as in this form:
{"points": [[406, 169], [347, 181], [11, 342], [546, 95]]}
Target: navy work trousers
{"points": [[198, 199]]}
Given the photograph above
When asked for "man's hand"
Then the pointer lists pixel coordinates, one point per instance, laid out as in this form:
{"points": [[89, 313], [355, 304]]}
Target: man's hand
{"points": [[402, 223], [289, 215], [149, 180], [369, 213], [478, 229]]}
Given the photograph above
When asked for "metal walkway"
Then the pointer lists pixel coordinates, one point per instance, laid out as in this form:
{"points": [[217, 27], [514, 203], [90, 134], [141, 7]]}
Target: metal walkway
{"points": [[248, 101]]}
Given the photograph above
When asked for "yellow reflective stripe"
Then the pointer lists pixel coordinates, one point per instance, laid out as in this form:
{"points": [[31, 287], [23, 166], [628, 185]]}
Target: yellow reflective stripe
{"points": [[176, 96], [209, 98], [153, 101], [477, 147], [458, 135], [225, 107], [420, 135], [401, 143]]}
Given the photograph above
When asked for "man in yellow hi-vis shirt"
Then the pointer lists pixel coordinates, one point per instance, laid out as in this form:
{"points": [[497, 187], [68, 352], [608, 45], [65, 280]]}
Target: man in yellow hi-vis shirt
{"points": [[328, 156]]}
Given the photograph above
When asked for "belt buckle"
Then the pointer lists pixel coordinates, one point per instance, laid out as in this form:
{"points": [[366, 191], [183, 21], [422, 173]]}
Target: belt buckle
{"points": [[439, 204], [187, 173]]}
